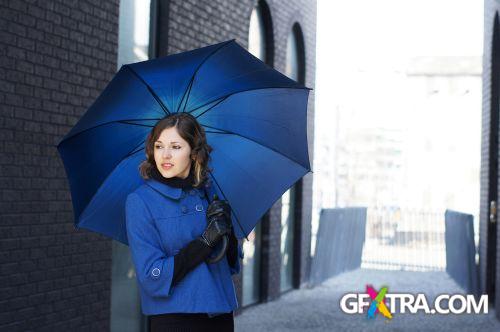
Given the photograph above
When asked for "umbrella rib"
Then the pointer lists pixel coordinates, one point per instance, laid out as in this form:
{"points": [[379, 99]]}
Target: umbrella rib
{"points": [[250, 139], [136, 124], [188, 93], [222, 131], [208, 109], [106, 123], [207, 103], [188, 89], [253, 89], [108, 175], [132, 152], [155, 96], [185, 92], [225, 197], [216, 132]]}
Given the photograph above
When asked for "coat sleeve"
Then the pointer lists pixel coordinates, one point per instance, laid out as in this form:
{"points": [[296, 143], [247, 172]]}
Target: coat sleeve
{"points": [[154, 269], [237, 266]]}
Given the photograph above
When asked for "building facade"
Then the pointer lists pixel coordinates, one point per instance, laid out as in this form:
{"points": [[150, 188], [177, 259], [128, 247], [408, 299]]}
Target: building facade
{"points": [[489, 232], [58, 57]]}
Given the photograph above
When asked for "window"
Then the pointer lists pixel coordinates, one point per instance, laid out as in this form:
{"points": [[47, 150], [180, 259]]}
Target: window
{"points": [[133, 46], [256, 36], [133, 33], [294, 69]]}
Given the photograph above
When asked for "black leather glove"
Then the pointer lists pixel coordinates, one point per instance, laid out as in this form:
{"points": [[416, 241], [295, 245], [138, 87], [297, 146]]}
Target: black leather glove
{"points": [[219, 222], [218, 208]]}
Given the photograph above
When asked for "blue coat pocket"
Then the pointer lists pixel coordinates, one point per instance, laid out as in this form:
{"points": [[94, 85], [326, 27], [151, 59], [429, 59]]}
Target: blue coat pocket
{"points": [[177, 231]]}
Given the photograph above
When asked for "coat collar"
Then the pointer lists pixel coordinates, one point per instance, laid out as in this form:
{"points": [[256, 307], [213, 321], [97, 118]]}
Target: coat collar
{"points": [[164, 189]]}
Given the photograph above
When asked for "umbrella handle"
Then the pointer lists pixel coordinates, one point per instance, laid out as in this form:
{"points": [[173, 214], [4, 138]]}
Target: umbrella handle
{"points": [[221, 253]]}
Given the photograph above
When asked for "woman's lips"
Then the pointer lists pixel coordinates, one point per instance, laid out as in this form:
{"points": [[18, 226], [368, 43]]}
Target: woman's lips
{"points": [[167, 166]]}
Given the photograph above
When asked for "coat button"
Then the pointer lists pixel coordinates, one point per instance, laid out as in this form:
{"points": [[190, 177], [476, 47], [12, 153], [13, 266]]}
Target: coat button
{"points": [[199, 207], [184, 209], [192, 192], [155, 272]]}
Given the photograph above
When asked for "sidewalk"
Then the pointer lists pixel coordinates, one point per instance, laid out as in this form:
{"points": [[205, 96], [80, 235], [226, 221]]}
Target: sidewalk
{"points": [[317, 309]]}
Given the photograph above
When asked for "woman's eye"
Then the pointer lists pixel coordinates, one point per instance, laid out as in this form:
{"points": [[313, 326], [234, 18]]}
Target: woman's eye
{"points": [[177, 147], [157, 146]]}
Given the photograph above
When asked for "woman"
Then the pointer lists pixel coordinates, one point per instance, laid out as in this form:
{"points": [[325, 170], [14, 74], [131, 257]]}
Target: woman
{"points": [[173, 229]]}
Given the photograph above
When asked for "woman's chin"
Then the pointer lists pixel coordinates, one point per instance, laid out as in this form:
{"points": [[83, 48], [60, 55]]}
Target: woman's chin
{"points": [[166, 174]]}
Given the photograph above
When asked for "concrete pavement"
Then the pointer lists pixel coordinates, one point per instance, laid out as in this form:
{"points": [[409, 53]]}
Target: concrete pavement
{"points": [[318, 309]]}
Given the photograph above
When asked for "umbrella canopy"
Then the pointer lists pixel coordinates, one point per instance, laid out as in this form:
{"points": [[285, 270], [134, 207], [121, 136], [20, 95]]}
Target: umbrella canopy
{"points": [[255, 118]]}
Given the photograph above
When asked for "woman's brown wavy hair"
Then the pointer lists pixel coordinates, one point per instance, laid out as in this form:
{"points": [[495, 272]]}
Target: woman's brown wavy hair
{"points": [[190, 130]]}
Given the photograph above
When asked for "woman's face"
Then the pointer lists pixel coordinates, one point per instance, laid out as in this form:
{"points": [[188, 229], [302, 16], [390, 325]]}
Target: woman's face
{"points": [[172, 154]]}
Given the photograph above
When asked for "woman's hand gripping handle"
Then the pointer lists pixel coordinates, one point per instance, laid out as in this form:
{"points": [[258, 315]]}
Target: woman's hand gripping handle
{"points": [[218, 217]]}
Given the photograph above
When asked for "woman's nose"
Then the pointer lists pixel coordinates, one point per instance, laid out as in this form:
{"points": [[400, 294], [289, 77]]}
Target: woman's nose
{"points": [[167, 153]]}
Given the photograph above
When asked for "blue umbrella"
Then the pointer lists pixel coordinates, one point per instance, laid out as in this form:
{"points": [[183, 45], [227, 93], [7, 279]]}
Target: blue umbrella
{"points": [[255, 119]]}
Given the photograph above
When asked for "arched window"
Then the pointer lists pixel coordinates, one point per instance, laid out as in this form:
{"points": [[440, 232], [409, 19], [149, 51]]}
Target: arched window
{"points": [[133, 42], [291, 70], [260, 33], [256, 35], [295, 68], [295, 55]]}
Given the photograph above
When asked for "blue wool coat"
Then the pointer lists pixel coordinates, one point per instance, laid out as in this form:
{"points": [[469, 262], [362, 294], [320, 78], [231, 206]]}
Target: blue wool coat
{"points": [[161, 220]]}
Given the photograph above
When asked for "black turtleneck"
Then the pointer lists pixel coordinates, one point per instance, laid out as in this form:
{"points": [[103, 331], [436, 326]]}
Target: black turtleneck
{"points": [[176, 182], [196, 251]]}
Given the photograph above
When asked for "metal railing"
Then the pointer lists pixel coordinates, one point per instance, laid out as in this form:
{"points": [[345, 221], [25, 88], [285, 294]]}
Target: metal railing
{"points": [[404, 239]]}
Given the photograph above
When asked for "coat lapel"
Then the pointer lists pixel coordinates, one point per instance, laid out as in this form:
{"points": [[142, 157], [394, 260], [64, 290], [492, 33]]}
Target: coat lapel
{"points": [[164, 189]]}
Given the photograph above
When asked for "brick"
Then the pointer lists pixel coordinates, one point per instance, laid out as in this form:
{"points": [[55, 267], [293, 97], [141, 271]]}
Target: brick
{"points": [[37, 12], [16, 52], [62, 9], [9, 244], [18, 6], [17, 29], [53, 17]]}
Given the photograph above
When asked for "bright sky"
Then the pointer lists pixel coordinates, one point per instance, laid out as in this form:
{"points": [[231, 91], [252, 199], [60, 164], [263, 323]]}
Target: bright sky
{"points": [[356, 38], [365, 32], [363, 48]]}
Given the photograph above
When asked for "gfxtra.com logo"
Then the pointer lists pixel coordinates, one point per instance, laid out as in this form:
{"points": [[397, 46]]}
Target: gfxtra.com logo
{"points": [[387, 304]]}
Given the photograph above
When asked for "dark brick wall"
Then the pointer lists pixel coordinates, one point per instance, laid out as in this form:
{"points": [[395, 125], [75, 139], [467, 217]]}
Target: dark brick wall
{"points": [[56, 57], [195, 24], [491, 8]]}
